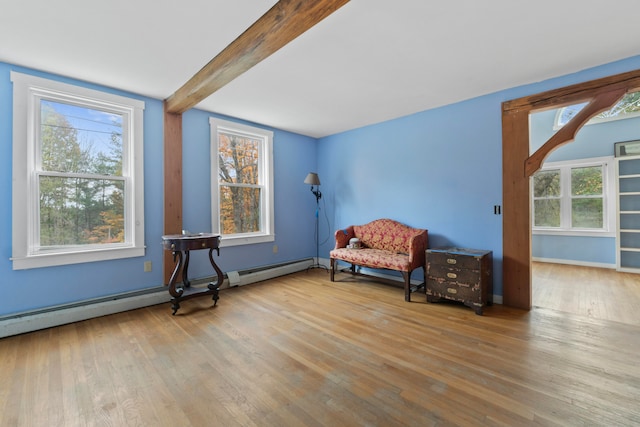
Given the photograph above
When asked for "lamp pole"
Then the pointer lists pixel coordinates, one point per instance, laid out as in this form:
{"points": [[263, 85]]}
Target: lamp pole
{"points": [[318, 195], [313, 180], [317, 264]]}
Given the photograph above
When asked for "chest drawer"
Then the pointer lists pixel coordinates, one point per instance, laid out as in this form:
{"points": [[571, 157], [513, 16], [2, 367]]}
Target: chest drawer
{"points": [[458, 275], [453, 260], [453, 290], [463, 275]]}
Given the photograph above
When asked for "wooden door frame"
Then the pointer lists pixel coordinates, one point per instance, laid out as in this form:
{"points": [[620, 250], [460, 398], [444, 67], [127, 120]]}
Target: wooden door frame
{"points": [[518, 165]]}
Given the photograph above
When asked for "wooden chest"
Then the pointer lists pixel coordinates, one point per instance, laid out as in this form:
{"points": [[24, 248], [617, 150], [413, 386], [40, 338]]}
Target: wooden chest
{"points": [[460, 274]]}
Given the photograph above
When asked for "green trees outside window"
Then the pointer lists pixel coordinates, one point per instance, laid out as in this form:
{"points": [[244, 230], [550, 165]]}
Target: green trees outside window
{"points": [[80, 183], [578, 190], [546, 193], [587, 206]]}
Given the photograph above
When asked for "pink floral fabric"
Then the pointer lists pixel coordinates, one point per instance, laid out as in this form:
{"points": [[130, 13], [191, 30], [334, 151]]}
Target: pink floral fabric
{"points": [[387, 244], [374, 258], [385, 234]]}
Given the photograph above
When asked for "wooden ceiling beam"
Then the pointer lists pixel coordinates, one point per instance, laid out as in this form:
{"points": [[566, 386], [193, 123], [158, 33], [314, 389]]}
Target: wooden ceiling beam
{"points": [[285, 21]]}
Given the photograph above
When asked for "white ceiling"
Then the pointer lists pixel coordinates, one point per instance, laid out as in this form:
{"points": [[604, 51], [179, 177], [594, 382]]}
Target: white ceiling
{"points": [[372, 60]]}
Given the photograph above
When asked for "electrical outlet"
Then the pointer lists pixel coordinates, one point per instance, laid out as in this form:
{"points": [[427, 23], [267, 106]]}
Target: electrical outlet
{"points": [[147, 266], [275, 249]]}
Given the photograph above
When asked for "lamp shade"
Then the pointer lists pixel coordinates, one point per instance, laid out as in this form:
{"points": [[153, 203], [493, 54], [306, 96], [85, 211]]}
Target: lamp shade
{"points": [[312, 179]]}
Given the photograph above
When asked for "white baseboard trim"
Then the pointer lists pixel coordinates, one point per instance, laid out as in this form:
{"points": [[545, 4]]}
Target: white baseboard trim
{"points": [[56, 316], [20, 323], [573, 262]]}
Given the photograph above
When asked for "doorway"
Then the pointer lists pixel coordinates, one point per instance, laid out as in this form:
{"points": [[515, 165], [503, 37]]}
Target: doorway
{"points": [[574, 227], [518, 166]]}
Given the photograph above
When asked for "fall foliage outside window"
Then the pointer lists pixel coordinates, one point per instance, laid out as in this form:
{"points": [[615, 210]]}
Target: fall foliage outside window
{"points": [[82, 183], [238, 178], [242, 176]]}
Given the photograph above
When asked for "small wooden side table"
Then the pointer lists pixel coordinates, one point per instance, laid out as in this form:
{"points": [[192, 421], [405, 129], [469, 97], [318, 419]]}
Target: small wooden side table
{"points": [[179, 243]]}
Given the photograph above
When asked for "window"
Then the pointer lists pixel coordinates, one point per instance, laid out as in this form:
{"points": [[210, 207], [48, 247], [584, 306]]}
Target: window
{"points": [[78, 174], [627, 107], [241, 183], [574, 197]]}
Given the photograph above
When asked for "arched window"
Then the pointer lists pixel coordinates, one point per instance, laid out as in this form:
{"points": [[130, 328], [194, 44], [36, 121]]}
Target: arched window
{"points": [[629, 106]]}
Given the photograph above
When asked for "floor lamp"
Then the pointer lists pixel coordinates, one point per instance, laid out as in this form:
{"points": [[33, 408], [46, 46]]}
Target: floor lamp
{"points": [[313, 180]]}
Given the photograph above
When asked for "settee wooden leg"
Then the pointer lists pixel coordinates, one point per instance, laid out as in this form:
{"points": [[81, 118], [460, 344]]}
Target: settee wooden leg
{"points": [[333, 268], [407, 285]]}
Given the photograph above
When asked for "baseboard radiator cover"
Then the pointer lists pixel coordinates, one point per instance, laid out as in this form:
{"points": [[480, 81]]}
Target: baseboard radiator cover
{"points": [[19, 323], [259, 274], [69, 313]]}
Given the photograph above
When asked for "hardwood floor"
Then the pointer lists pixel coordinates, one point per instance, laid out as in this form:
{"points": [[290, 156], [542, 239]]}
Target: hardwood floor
{"points": [[599, 293], [300, 350]]}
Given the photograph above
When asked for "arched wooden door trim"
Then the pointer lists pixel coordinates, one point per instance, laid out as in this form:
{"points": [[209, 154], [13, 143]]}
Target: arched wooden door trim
{"points": [[518, 165]]}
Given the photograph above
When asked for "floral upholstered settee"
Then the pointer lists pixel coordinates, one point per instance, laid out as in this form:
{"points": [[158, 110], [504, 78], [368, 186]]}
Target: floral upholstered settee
{"points": [[385, 244]]}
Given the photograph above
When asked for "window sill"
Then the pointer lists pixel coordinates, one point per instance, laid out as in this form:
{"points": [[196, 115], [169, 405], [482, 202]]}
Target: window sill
{"points": [[574, 233], [245, 240], [55, 259]]}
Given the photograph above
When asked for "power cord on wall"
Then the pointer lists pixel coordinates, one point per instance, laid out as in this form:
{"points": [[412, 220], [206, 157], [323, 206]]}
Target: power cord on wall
{"points": [[324, 203]]}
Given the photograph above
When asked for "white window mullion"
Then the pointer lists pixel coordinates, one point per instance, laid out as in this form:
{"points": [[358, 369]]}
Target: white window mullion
{"points": [[566, 199]]}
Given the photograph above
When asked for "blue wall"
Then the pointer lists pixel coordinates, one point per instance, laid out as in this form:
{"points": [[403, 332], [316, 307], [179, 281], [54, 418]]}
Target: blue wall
{"points": [[593, 140], [439, 169], [295, 156], [575, 249]]}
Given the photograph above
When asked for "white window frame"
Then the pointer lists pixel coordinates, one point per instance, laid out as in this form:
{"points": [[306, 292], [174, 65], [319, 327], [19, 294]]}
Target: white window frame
{"points": [[28, 90], [608, 195], [266, 233]]}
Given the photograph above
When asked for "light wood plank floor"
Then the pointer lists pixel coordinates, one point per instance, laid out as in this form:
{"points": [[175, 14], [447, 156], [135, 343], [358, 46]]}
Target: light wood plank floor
{"points": [[302, 351], [599, 293]]}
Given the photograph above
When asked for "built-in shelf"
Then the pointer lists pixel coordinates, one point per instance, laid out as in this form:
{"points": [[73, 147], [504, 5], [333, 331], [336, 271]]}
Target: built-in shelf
{"points": [[628, 214]]}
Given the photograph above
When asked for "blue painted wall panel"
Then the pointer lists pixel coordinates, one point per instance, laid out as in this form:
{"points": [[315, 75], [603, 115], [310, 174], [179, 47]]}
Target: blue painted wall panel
{"points": [[36, 288], [595, 250], [295, 156], [439, 169]]}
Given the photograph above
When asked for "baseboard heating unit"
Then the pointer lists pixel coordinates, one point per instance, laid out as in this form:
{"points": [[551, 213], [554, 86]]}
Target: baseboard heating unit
{"points": [[34, 320]]}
